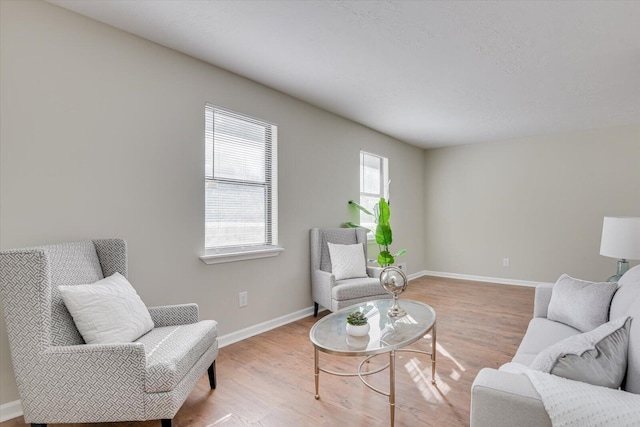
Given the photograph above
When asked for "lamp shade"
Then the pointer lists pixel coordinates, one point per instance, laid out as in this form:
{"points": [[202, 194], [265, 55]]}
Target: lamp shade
{"points": [[620, 237]]}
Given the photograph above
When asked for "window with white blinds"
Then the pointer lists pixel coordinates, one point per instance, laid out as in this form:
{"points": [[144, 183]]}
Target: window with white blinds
{"points": [[241, 183], [374, 181]]}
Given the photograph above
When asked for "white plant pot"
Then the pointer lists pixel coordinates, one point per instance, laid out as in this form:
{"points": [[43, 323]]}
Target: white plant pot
{"points": [[359, 330]]}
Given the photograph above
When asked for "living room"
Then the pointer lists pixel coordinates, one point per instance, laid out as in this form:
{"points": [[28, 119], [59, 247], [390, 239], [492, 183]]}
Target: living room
{"points": [[102, 136]]}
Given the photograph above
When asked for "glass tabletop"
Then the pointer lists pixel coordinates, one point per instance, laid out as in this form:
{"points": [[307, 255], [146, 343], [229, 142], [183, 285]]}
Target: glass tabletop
{"points": [[386, 334]]}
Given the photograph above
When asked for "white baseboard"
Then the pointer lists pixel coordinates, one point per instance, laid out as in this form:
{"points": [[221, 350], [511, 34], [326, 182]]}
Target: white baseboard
{"points": [[499, 280], [416, 275], [10, 410], [242, 334]]}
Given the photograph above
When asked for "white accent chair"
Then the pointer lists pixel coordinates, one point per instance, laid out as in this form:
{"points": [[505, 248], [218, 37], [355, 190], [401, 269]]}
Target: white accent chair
{"points": [[335, 294], [63, 380]]}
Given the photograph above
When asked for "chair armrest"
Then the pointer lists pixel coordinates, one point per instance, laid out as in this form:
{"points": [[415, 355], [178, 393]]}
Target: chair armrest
{"points": [[96, 373], [321, 284], [503, 399], [172, 315], [542, 299], [126, 348], [374, 272], [325, 278]]}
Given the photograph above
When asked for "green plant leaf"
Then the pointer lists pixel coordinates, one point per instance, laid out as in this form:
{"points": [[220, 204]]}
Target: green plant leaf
{"points": [[354, 225], [383, 235], [359, 206], [384, 213], [385, 258], [357, 318]]}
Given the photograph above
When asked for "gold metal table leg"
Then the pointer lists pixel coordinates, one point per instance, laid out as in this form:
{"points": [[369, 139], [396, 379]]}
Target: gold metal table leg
{"points": [[433, 354], [392, 386], [316, 372]]}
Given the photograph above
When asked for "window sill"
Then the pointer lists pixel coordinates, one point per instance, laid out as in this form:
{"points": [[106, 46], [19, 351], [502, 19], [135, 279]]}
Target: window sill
{"points": [[213, 257]]}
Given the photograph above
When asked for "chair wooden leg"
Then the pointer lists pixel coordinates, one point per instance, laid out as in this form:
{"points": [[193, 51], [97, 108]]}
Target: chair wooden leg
{"points": [[315, 309], [212, 375], [166, 422]]}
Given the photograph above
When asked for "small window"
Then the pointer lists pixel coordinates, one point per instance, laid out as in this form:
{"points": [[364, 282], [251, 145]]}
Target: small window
{"points": [[241, 187], [374, 184]]}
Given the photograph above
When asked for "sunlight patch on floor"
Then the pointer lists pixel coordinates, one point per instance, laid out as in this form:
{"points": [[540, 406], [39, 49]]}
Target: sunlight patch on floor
{"points": [[448, 355], [221, 420], [421, 375], [422, 379]]}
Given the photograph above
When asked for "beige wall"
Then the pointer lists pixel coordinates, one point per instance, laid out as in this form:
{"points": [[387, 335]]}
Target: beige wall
{"points": [[103, 135], [538, 201]]}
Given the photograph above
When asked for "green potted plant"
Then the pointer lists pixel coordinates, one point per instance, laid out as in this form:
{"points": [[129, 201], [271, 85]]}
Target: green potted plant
{"points": [[383, 234], [357, 324]]}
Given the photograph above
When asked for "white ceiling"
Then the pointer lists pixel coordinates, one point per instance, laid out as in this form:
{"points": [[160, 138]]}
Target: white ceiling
{"points": [[432, 74]]}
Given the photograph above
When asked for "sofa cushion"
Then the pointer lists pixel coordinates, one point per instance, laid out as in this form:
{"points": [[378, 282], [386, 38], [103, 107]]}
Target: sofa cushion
{"points": [[107, 311], [357, 288], [627, 294], [597, 357], [580, 304], [172, 350], [626, 302], [542, 333], [524, 358]]}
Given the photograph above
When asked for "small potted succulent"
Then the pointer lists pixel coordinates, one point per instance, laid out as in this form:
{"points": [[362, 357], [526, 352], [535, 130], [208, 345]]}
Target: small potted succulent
{"points": [[357, 324]]}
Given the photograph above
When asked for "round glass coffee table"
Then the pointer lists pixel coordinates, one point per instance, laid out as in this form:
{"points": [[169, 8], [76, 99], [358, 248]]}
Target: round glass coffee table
{"points": [[387, 335]]}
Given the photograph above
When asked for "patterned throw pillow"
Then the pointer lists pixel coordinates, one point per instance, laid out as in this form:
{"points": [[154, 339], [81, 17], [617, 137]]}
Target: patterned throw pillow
{"points": [[347, 261], [597, 357], [107, 311]]}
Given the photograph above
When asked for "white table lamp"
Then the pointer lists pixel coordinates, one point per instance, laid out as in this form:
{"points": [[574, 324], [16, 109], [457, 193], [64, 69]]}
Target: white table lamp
{"points": [[620, 239]]}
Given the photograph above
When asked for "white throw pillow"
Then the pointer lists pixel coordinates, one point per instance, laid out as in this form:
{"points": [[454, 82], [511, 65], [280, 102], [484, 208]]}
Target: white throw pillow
{"points": [[597, 357], [107, 311], [580, 304], [347, 261]]}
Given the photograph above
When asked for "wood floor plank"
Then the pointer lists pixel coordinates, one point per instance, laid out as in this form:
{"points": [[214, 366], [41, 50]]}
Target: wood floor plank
{"points": [[267, 380]]}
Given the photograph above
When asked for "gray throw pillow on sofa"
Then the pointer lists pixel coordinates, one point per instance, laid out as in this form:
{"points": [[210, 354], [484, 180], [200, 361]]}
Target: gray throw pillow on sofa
{"points": [[598, 357], [580, 304]]}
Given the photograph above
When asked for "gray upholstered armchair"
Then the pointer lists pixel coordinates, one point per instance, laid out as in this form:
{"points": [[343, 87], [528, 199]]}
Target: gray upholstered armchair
{"points": [[63, 380], [336, 294]]}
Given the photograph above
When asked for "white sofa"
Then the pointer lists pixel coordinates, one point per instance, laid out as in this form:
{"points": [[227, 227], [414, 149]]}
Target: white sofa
{"points": [[500, 398]]}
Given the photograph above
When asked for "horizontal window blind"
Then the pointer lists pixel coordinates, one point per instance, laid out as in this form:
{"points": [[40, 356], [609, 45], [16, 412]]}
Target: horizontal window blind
{"points": [[241, 199]]}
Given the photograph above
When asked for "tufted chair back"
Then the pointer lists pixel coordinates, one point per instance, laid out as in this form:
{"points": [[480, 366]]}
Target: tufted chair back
{"points": [[29, 279], [320, 259]]}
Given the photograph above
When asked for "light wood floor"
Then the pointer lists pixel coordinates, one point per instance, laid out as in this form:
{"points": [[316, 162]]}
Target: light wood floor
{"points": [[267, 380]]}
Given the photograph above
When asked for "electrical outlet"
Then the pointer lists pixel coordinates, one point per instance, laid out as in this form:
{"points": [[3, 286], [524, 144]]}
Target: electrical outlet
{"points": [[243, 299], [505, 262]]}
